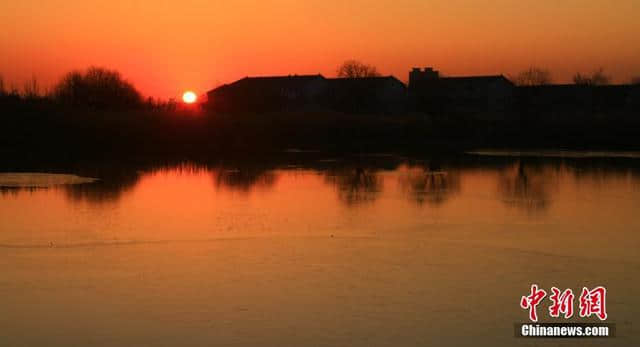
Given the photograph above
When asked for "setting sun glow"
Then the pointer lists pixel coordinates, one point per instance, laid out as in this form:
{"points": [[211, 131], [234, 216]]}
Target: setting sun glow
{"points": [[314, 36], [189, 97]]}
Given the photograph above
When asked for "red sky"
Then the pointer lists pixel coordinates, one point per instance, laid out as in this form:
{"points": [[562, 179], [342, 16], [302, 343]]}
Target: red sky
{"points": [[165, 47]]}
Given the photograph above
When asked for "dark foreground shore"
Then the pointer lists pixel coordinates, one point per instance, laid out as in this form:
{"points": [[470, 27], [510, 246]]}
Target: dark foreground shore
{"points": [[40, 130]]}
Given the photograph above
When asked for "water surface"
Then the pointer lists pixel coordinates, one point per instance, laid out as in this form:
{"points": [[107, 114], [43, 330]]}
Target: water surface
{"points": [[368, 251]]}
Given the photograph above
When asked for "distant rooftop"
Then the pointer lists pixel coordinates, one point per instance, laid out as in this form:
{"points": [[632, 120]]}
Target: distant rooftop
{"points": [[363, 81], [270, 81], [488, 77], [291, 81], [298, 77]]}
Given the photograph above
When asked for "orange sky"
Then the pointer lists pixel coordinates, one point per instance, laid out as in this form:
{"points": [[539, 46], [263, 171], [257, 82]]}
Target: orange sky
{"points": [[165, 47]]}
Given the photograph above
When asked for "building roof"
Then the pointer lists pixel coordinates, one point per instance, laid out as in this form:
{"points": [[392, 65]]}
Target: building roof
{"points": [[290, 81], [476, 79], [363, 81], [578, 86]]}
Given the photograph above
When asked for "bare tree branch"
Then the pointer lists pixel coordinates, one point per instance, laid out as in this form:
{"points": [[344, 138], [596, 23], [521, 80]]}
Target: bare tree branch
{"points": [[597, 78], [356, 69], [533, 76]]}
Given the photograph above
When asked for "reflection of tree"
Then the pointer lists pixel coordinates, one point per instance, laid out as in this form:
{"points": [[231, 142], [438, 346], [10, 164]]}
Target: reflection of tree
{"points": [[524, 188], [13, 191], [355, 186], [109, 188], [245, 179], [431, 186]]}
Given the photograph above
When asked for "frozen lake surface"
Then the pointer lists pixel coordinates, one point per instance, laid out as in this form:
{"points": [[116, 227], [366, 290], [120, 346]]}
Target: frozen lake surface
{"points": [[329, 252]]}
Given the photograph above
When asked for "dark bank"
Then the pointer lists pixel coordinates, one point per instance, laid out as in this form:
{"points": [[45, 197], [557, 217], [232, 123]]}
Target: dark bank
{"points": [[98, 111]]}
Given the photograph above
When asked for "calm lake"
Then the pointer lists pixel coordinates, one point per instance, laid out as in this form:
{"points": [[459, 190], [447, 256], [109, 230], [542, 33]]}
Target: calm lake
{"points": [[315, 251]]}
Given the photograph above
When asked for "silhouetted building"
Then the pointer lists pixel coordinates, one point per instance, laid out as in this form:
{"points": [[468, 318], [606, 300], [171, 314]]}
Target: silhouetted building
{"points": [[574, 98], [430, 92], [418, 77], [264, 94], [308, 93], [367, 95], [633, 97]]}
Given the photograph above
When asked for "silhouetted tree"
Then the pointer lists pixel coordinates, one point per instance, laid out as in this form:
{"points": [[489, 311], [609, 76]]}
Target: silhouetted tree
{"points": [[13, 91], [581, 79], [31, 89], [356, 69], [533, 76], [6, 89], [97, 88], [597, 78]]}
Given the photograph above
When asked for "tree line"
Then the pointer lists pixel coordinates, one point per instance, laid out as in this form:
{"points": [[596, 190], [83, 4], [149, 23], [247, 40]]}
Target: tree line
{"points": [[101, 88], [94, 88], [537, 76]]}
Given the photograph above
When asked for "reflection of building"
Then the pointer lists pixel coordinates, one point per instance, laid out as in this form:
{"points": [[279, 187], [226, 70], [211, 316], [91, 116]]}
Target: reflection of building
{"points": [[428, 91], [309, 92]]}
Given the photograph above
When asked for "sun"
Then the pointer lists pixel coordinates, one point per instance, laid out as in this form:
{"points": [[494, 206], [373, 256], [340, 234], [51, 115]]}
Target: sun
{"points": [[189, 97]]}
